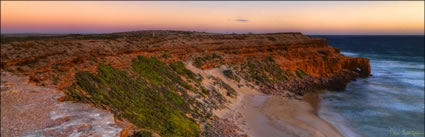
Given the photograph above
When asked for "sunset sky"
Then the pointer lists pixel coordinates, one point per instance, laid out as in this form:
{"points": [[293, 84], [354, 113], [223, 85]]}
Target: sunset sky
{"points": [[330, 17]]}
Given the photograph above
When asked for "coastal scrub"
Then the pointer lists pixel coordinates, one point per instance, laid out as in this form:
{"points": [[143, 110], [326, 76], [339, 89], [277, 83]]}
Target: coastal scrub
{"points": [[150, 95]]}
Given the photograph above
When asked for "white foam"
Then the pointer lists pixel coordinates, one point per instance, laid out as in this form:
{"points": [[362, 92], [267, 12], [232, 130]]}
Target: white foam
{"points": [[337, 121], [349, 53]]}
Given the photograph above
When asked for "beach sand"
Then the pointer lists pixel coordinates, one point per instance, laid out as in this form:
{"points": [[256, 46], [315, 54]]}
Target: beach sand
{"points": [[276, 116], [260, 115]]}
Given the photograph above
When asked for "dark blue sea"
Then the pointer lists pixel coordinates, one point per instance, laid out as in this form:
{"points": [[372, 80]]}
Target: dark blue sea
{"points": [[391, 102]]}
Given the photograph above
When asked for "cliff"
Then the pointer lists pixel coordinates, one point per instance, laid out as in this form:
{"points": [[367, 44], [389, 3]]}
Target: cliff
{"points": [[54, 61], [167, 83]]}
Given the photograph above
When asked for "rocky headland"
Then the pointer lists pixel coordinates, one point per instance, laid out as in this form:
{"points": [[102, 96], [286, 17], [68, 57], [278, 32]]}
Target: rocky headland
{"points": [[172, 83]]}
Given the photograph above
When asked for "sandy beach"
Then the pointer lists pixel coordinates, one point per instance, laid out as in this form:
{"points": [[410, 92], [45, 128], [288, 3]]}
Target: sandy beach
{"points": [[276, 116]]}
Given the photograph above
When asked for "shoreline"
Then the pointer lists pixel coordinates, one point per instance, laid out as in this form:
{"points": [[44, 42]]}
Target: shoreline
{"points": [[274, 116]]}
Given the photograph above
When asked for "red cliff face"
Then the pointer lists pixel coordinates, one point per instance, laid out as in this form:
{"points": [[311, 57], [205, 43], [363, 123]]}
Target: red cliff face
{"points": [[55, 61]]}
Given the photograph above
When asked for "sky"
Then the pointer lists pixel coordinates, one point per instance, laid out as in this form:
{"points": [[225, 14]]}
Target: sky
{"points": [[308, 17]]}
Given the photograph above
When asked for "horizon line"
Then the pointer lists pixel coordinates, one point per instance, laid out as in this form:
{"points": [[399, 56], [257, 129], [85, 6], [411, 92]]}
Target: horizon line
{"points": [[313, 34]]}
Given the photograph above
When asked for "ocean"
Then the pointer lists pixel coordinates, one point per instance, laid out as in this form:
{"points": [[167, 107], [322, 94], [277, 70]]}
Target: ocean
{"points": [[388, 104]]}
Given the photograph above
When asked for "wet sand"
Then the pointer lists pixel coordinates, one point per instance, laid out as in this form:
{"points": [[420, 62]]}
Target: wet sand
{"points": [[276, 116]]}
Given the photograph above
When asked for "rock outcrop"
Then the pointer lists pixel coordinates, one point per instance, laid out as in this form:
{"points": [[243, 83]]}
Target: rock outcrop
{"points": [[55, 61]]}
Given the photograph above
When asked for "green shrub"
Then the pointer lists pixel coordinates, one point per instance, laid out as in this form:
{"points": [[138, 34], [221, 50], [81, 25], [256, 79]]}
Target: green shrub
{"points": [[198, 62], [165, 56], [205, 90], [300, 73], [229, 74], [214, 55], [230, 91]]}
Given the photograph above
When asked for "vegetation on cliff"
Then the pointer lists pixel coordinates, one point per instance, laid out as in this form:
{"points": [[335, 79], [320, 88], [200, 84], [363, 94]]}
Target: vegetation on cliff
{"points": [[151, 95], [229, 74], [202, 60], [300, 73], [178, 66], [263, 71], [230, 91]]}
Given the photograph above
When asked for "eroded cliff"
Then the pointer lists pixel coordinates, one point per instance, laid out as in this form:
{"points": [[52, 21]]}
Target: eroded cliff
{"points": [[55, 61], [173, 83]]}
